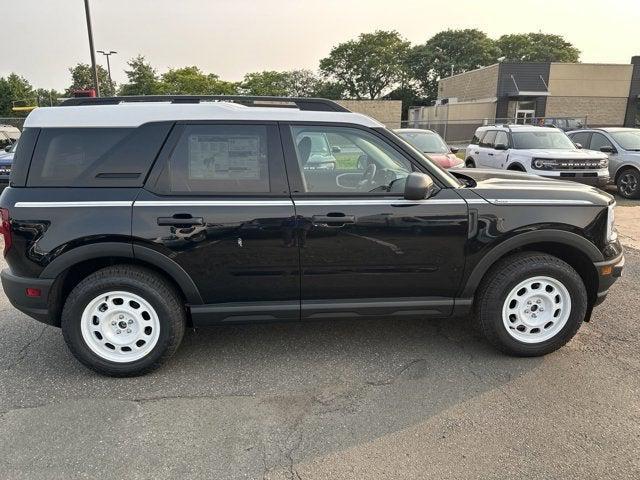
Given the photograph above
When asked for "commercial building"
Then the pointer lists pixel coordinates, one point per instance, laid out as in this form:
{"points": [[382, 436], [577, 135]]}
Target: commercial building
{"points": [[593, 94]]}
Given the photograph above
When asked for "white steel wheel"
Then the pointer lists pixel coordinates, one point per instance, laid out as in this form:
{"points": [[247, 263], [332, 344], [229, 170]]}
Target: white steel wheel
{"points": [[120, 326], [536, 309]]}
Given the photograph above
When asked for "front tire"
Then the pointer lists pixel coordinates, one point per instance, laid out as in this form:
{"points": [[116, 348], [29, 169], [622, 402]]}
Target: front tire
{"points": [[628, 183], [530, 304], [123, 321], [470, 163]]}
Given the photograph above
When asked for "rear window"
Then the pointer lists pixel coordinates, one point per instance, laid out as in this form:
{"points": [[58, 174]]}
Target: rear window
{"points": [[95, 157]]}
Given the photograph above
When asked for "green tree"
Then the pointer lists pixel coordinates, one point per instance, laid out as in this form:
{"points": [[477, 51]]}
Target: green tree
{"points": [[15, 89], [329, 89], [301, 83], [369, 65], [46, 98], [419, 65], [82, 79], [192, 81], [537, 47], [268, 82], [458, 51], [142, 78]]}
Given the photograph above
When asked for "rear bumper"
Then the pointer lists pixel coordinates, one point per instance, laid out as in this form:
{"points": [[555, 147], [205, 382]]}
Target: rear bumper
{"points": [[608, 272], [15, 288]]}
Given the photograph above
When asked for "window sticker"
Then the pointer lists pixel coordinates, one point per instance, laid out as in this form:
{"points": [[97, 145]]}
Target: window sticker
{"points": [[221, 157]]}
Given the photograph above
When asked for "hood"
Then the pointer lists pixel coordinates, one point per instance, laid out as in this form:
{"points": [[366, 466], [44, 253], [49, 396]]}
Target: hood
{"points": [[564, 154], [6, 158], [498, 186], [444, 160]]}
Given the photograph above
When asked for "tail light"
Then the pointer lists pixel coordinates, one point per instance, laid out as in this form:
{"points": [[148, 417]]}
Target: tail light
{"points": [[5, 229]]}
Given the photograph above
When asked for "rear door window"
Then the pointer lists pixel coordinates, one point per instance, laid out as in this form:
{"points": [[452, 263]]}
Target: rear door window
{"points": [[488, 139]]}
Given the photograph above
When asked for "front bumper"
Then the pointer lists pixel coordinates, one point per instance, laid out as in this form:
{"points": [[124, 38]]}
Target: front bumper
{"points": [[598, 178], [608, 272], [15, 288]]}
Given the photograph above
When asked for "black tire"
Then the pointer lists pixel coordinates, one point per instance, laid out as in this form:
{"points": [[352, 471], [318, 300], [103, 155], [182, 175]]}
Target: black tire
{"points": [[628, 183], [503, 277], [154, 289], [516, 168], [470, 163]]}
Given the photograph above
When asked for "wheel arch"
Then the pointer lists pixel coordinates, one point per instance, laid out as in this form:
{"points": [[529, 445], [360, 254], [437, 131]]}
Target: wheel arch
{"points": [[70, 268], [517, 166], [623, 167], [577, 251]]}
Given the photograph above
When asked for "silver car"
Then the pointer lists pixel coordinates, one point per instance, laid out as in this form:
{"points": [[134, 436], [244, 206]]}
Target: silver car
{"points": [[623, 147]]}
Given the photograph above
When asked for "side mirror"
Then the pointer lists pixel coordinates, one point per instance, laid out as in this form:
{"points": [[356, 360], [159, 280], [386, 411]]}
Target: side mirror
{"points": [[335, 149], [418, 186], [454, 150], [500, 146], [607, 149], [579, 146], [8, 148]]}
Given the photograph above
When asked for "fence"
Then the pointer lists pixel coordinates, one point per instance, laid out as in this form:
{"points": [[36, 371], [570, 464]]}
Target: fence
{"points": [[13, 121], [461, 131]]}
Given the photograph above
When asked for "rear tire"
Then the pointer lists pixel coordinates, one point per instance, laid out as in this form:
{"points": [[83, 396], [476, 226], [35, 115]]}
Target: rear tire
{"points": [[530, 304], [628, 183], [123, 321]]}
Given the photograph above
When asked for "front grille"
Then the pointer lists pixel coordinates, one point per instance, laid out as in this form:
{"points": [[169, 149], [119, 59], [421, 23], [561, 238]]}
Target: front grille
{"points": [[577, 164]]}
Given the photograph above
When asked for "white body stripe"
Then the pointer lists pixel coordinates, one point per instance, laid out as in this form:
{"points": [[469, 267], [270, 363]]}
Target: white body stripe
{"points": [[280, 203], [73, 204]]}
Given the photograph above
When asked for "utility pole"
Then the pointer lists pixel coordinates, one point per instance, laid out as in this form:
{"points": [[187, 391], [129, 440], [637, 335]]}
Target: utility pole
{"points": [[108, 54], [94, 67]]}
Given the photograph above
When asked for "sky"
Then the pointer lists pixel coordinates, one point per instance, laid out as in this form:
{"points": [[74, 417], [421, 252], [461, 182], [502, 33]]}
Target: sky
{"points": [[43, 38]]}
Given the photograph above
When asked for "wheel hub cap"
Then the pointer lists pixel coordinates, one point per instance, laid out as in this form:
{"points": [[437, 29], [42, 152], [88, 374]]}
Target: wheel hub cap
{"points": [[120, 326], [536, 309]]}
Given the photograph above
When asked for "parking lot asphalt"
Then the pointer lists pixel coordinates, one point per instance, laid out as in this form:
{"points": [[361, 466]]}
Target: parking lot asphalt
{"points": [[370, 399]]}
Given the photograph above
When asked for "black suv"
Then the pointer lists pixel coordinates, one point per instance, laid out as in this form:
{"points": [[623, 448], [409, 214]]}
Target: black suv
{"points": [[129, 219]]}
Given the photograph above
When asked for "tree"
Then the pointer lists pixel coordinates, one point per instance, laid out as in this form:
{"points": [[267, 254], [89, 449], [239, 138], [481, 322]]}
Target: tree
{"points": [[47, 98], [15, 88], [369, 65], [419, 65], [192, 81], [142, 78], [268, 82], [301, 83], [537, 47], [82, 79], [458, 51]]}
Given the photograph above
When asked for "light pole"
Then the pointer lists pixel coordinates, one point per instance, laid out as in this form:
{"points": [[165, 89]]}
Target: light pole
{"points": [[93, 53], [108, 54]]}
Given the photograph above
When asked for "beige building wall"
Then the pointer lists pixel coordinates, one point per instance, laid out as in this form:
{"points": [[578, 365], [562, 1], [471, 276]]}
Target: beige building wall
{"points": [[600, 111], [476, 84], [589, 80], [388, 112]]}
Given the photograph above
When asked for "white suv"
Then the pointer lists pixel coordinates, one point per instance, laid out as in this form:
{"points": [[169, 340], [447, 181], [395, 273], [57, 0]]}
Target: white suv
{"points": [[544, 151]]}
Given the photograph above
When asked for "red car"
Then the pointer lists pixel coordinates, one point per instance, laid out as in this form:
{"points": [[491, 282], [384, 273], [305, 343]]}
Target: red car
{"points": [[432, 145]]}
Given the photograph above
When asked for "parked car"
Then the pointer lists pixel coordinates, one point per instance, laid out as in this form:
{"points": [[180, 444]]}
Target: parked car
{"points": [[130, 219], [544, 151], [564, 124], [8, 135], [6, 160], [623, 147], [432, 145]]}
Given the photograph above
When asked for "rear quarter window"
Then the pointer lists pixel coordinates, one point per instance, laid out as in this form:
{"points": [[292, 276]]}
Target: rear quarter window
{"points": [[95, 157]]}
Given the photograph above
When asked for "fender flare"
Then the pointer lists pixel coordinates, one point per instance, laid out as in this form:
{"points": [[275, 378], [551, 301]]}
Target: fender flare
{"points": [[550, 236], [125, 250]]}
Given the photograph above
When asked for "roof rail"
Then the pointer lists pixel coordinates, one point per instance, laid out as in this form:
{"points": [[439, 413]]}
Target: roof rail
{"points": [[311, 104]]}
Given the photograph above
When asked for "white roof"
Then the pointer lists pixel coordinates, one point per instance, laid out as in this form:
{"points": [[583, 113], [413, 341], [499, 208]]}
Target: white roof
{"points": [[135, 114]]}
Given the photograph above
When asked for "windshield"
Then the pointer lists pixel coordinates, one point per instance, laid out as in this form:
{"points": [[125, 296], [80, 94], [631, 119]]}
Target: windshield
{"points": [[549, 139], [628, 139], [426, 142]]}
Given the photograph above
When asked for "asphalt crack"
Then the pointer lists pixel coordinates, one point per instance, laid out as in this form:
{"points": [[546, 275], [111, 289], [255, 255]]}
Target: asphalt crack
{"points": [[22, 353]]}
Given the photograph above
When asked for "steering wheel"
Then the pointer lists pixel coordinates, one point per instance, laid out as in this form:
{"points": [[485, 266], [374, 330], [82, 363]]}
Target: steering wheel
{"points": [[368, 176]]}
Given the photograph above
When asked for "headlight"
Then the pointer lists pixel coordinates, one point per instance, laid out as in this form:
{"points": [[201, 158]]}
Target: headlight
{"points": [[604, 163], [612, 235], [543, 164]]}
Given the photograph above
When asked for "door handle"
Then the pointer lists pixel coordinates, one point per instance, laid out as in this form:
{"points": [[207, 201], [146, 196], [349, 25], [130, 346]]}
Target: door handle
{"points": [[334, 219], [490, 154], [180, 220]]}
